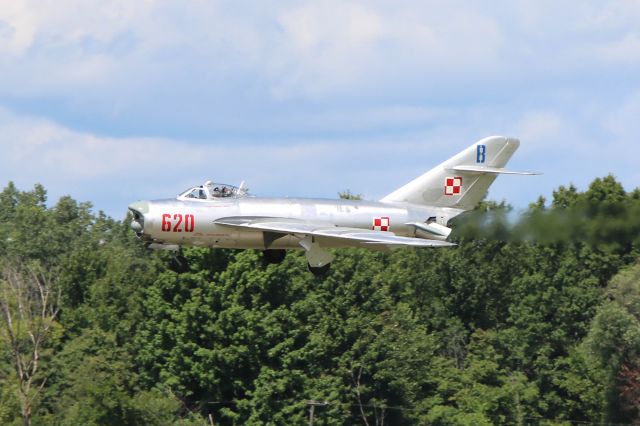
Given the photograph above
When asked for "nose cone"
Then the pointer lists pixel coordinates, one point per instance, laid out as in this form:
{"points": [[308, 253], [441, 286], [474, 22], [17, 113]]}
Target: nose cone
{"points": [[138, 210]]}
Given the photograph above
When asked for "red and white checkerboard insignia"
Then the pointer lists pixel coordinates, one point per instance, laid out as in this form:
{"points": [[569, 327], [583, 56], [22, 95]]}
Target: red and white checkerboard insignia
{"points": [[381, 223], [453, 185]]}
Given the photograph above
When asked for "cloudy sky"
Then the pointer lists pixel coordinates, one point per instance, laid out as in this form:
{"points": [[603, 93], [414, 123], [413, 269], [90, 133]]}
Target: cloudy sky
{"points": [[117, 100]]}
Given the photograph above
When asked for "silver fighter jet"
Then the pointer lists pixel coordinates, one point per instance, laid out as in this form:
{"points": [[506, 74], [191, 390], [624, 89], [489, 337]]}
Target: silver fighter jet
{"points": [[414, 215]]}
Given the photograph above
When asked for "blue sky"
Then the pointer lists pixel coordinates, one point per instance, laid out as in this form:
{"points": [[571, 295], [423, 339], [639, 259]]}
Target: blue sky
{"points": [[115, 100]]}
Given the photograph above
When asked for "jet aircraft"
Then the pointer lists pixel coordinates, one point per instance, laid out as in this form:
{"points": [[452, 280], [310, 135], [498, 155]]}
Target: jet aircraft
{"points": [[414, 215]]}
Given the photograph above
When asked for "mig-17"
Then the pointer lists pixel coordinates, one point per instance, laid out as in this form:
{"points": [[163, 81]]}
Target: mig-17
{"points": [[414, 215]]}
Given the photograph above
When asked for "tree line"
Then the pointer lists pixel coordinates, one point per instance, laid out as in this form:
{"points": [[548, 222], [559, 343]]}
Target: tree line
{"points": [[531, 319]]}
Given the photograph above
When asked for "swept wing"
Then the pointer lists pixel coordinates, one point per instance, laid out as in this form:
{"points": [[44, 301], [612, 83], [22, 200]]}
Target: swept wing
{"points": [[303, 229]]}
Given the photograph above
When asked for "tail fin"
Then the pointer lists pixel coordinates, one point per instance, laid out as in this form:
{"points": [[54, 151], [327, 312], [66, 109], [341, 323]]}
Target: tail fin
{"points": [[463, 180]]}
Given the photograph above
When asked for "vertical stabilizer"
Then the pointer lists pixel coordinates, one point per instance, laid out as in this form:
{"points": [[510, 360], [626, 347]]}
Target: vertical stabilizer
{"points": [[463, 180]]}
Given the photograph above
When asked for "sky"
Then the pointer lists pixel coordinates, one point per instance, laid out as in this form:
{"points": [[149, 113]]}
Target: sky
{"points": [[112, 101]]}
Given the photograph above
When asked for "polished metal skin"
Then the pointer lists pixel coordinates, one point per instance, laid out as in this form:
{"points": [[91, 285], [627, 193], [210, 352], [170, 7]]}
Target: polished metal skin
{"points": [[417, 214]]}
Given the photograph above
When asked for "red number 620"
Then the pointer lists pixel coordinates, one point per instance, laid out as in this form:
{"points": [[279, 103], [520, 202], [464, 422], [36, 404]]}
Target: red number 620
{"points": [[175, 223]]}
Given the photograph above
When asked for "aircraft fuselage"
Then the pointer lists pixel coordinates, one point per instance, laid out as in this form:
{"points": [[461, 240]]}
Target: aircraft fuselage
{"points": [[191, 222]]}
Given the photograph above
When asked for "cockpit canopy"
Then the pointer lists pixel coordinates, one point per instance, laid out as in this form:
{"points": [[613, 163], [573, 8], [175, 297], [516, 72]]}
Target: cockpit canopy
{"points": [[213, 191]]}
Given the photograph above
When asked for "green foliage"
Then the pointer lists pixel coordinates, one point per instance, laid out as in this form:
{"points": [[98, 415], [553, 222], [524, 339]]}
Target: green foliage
{"points": [[9, 404], [613, 343], [531, 319]]}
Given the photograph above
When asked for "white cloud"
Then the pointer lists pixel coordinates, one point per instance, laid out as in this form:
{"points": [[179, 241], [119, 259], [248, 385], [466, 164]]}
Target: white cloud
{"points": [[623, 50], [353, 94], [335, 47], [114, 171], [542, 131], [539, 126], [622, 123], [17, 27], [324, 42], [136, 57]]}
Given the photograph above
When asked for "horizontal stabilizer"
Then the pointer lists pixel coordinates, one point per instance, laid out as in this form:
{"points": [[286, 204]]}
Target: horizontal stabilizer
{"points": [[485, 170]]}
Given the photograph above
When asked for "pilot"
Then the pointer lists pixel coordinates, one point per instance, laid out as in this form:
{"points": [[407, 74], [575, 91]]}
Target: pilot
{"points": [[216, 192]]}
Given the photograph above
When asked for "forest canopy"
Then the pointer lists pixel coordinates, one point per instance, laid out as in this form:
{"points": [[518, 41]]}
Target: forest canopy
{"points": [[531, 319]]}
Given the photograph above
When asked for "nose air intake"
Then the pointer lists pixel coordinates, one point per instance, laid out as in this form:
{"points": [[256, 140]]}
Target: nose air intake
{"points": [[138, 209]]}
